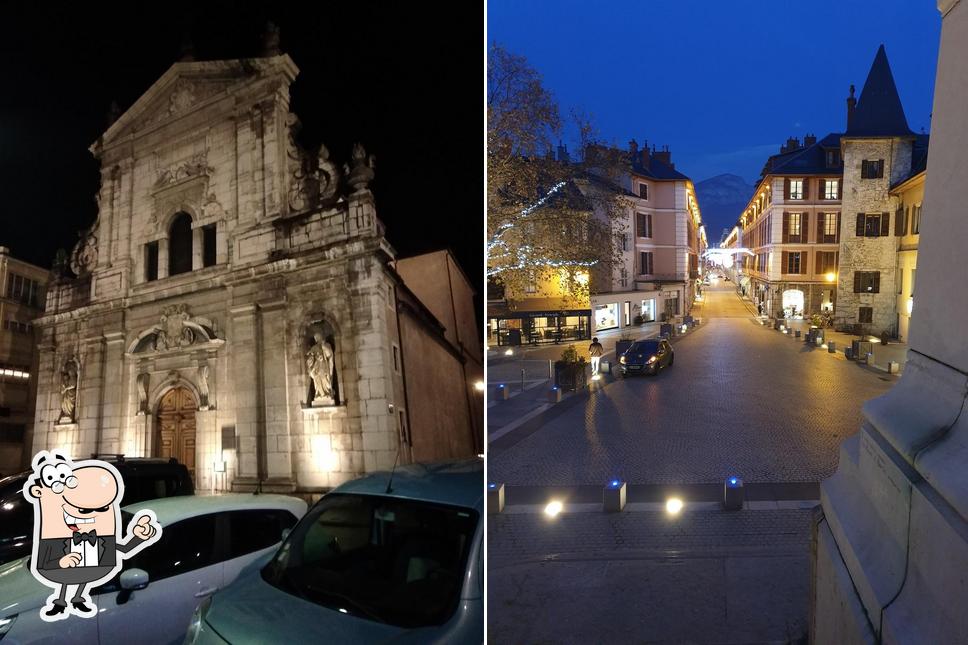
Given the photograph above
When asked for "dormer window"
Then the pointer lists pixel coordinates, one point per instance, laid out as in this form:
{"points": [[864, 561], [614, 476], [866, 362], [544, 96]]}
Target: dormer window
{"points": [[833, 158]]}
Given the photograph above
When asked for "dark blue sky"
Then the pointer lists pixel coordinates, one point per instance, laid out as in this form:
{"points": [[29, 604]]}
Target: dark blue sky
{"points": [[723, 83]]}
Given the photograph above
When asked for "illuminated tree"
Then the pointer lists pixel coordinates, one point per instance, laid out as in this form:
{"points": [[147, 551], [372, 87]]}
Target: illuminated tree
{"points": [[546, 216]]}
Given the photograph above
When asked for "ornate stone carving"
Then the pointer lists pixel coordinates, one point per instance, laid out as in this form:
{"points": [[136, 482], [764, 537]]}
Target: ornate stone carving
{"points": [[321, 366], [362, 172], [203, 387], [212, 208], [302, 182], [143, 393], [69, 391], [173, 332], [196, 166], [84, 256], [327, 174]]}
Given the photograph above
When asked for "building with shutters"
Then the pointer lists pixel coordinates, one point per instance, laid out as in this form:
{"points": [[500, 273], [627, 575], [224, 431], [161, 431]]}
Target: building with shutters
{"points": [[23, 288], [236, 304], [792, 226], [661, 241], [830, 223], [882, 158]]}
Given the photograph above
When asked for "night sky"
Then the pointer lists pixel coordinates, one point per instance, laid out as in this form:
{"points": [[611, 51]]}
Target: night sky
{"points": [[722, 83], [398, 77]]}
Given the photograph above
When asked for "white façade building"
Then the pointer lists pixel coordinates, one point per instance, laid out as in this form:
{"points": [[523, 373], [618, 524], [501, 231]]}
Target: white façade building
{"points": [[236, 306]]}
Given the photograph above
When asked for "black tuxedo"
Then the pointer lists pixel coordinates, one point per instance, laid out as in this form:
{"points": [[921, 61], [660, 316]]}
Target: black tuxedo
{"points": [[51, 550]]}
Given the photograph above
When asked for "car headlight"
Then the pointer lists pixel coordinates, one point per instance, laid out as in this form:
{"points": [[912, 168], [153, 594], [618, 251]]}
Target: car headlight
{"points": [[652, 359], [195, 626], [622, 360], [6, 624]]}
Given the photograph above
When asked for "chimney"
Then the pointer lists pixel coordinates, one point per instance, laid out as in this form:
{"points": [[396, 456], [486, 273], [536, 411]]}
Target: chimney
{"points": [[663, 155], [563, 153], [851, 104], [809, 140], [633, 148], [791, 144]]}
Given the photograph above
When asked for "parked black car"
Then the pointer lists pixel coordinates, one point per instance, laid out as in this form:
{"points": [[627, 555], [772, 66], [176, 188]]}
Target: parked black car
{"points": [[144, 478], [646, 357]]}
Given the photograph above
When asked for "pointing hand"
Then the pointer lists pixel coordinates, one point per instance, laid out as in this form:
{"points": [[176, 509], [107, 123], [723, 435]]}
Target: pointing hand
{"points": [[143, 528]]}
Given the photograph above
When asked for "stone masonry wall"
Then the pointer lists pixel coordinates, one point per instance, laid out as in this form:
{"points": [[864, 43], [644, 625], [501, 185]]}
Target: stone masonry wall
{"points": [[870, 253]]}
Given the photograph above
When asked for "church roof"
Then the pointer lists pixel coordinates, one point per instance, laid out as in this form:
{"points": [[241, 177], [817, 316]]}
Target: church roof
{"points": [[879, 112]]}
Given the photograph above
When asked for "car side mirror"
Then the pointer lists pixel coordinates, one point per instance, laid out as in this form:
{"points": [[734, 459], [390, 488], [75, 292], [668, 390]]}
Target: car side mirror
{"points": [[133, 579]]}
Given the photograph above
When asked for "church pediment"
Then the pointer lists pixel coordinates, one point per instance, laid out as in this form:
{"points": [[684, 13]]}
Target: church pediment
{"points": [[187, 86]]}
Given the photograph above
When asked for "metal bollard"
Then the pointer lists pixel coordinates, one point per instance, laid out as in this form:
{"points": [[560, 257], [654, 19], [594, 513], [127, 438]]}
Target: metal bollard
{"points": [[832, 347]]}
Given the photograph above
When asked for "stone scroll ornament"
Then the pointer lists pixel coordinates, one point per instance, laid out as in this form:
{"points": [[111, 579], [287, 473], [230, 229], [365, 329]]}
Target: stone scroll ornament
{"points": [[77, 530], [68, 391], [173, 331], [320, 364]]}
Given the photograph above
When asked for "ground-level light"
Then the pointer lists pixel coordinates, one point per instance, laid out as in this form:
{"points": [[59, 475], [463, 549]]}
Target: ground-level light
{"points": [[553, 508], [509, 352], [479, 386], [673, 505]]}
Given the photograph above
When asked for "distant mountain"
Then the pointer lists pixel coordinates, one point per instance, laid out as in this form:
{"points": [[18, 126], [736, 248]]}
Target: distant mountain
{"points": [[721, 199]]}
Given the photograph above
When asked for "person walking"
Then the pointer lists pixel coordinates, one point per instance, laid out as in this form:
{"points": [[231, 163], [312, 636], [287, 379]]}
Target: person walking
{"points": [[759, 308], [596, 350]]}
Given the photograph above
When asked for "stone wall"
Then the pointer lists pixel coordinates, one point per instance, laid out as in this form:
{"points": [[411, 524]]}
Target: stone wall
{"points": [[870, 253]]}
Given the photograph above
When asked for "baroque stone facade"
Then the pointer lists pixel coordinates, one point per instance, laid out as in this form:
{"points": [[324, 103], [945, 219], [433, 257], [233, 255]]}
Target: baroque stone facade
{"points": [[223, 259]]}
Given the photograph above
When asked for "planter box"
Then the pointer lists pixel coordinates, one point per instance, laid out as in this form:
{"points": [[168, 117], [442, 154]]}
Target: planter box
{"points": [[570, 376]]}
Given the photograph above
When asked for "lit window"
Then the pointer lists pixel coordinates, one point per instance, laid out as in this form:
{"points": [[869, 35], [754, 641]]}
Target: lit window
{"points": [[830, 188], [796, 189], [830, 224]]}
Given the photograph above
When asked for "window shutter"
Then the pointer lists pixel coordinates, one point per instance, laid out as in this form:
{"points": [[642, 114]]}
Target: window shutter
{"points": [[838, 227], [885, 224], [804, 227], [860, 225], [880, 168], [806, 188], [821, 217], [804, 258], [877, 282], [648, 220], [786, 227], [840, 188], [786, 262], [786, 189], [856, 281], [819, 266], [907, 210], [898, 216]]}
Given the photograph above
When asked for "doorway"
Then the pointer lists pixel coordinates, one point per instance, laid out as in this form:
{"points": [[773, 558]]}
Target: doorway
{"points": [[176, 428]]}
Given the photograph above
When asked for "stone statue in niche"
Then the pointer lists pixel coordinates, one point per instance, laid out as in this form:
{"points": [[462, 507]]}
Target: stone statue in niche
{"points": [[203, 387], [68, 391], [320, 363], [143, 393]]}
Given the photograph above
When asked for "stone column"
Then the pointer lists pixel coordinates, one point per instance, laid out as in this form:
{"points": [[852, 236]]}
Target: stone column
{"points": [[278, 452], [163, 258], [891, 543], [198, 244], [244, 360]]}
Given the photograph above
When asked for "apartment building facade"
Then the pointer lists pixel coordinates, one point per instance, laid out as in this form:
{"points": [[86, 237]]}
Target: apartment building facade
{"points": [[661, 240], [792, 226], [23, 289]]}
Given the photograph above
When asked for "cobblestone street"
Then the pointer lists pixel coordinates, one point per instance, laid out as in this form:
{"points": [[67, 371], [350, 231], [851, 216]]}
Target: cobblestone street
{"points": [[741, 399]]}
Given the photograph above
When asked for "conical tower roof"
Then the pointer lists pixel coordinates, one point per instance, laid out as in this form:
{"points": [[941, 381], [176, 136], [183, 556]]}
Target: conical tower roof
{"points": [[879, 112]]}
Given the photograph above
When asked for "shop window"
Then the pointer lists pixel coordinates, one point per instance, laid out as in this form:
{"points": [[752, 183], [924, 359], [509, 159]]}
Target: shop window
{"points": [[180, 245], [151, 261], [208, 245]]}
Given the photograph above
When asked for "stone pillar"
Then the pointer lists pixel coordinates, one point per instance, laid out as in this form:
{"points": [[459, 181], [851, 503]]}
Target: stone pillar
{"points": [[163, 258], [891, 545], [113, 395], [244, 360], [278, 452], [198, 244]]}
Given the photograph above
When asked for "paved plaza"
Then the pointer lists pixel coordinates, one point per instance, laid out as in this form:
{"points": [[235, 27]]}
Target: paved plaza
{"points": [[741, 399]]}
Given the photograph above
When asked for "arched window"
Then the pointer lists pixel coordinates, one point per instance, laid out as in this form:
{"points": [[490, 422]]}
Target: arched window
{"points": [[180, 244]]}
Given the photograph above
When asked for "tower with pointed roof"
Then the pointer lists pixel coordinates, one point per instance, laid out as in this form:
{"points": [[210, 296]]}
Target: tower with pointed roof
{"points": [[877, 149]]}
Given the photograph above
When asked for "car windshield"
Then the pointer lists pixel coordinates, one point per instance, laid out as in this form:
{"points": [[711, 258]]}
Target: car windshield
{"points": [[645, 347], [390, 560]]}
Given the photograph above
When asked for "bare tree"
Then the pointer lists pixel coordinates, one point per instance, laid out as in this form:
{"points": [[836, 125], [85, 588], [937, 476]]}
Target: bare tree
{"points": [[550, 221]]}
